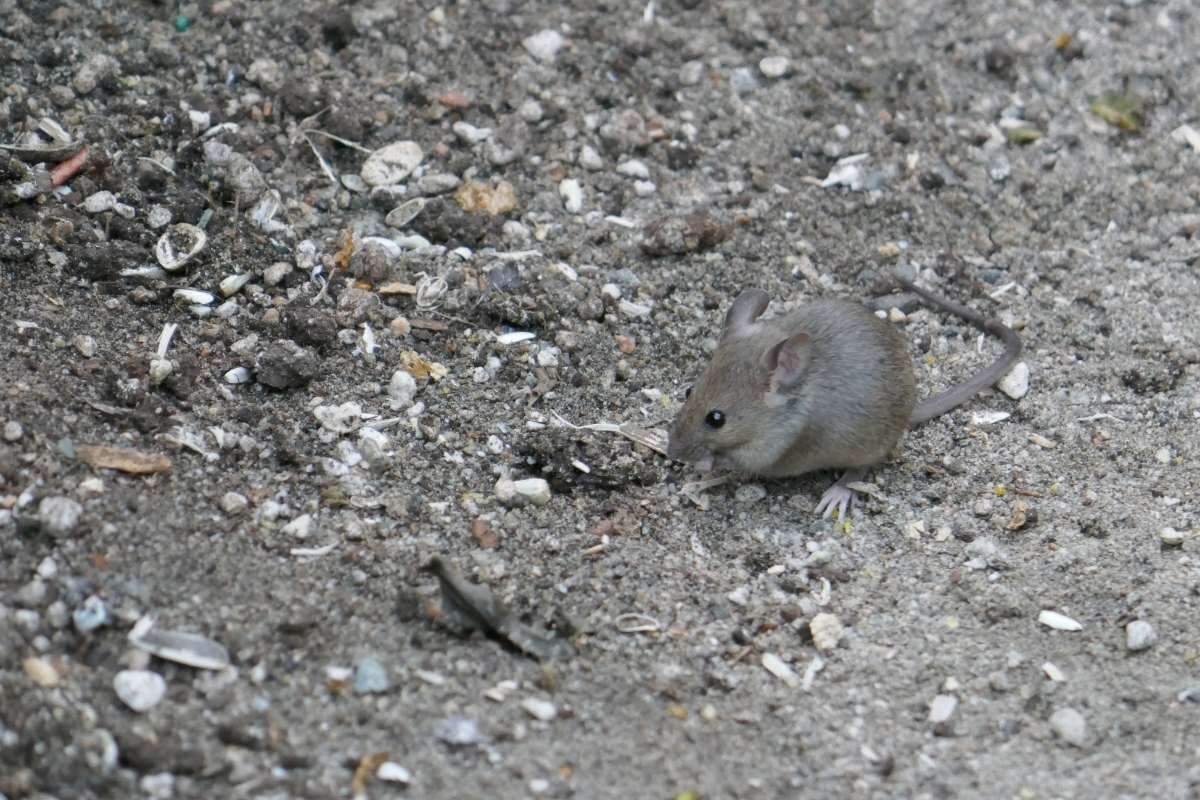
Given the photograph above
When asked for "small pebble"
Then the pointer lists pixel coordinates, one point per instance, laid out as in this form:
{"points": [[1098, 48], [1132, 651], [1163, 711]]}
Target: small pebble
{"points": [[1015, 383], [92, 614], [1070, 726], [634, 169], [41, 672], [370, 677], [942, 708], [544, 45], [774, 66], [139, 689], [1140, 635], [234, 503], [59, 515], [572, 195], [749, 493], [460, 732], [589, 159], [1171, 537], [13, 431], [539, 709], [826, 631]]}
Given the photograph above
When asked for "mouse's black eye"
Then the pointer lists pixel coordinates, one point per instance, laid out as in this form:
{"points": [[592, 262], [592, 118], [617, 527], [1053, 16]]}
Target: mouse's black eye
{"points": [[687, 392], [715, 419]]}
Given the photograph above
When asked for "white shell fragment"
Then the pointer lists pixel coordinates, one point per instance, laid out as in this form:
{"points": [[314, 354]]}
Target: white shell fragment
{"points": [[194, 297], [777, 667], [405, 213], [392, 772], [982, 418], [191, 649], [233, 284], [392, 163], [1060, 622], [1015, 383], [237, 375], [1053, 672], [514, 337], [178, 245], [139, 689]]}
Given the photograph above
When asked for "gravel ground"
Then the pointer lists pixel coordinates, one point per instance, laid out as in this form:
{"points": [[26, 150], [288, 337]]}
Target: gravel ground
{"points": [[389, 195]]}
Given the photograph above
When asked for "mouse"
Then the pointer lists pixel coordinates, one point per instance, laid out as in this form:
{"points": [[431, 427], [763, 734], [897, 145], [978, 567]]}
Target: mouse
{"points": [[827, 386]]}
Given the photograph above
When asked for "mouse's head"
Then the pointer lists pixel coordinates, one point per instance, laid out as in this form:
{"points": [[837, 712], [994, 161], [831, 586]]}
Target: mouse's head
{"points": [[735, 416]]}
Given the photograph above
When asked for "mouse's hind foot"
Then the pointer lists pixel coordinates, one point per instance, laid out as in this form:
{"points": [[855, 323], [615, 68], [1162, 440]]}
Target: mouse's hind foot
{"points": [[840, 497]]}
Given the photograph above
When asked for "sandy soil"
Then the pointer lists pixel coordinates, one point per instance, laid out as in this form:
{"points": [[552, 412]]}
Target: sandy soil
{"points": [[643, 163]]}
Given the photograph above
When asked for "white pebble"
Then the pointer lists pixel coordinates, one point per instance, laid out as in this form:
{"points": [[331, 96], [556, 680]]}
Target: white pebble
{"points": [[1070, 726], [469, 133], [234, 503], [393, 773], [572, 195], [535, 490], [1016, 383], [1140, 635], [644, 188], [544, 45], [634, 169], [826, 631], [589, 159], [139, 689], [539, 709], [402, 388], [942, 708], [1171, 537], [774, 66]]}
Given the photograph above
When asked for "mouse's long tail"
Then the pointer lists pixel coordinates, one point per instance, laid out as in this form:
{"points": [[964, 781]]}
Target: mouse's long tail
{"points": [[939, 404]]}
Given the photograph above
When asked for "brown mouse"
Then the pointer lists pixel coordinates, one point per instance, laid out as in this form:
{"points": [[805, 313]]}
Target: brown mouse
{"points": [[827, 386]]}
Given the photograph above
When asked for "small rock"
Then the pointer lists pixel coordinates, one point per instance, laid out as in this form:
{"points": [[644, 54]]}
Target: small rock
{"points": [[774, 66], [1070, 726], [286, 365], [679, 235], [13, 431], [59, 515], [826, 631], [92, 614], [274, 274], [749, 493], [572, 195], [539, 709], [42, 672], [234, 503], [139, 689], [533, 490], [634, 169], [544, 45], [460, 731], [301, 527], [32, 594], [370, 677], [1140, 635], [1171, 537], [1015, 383], [589, 159], [942, 708]]}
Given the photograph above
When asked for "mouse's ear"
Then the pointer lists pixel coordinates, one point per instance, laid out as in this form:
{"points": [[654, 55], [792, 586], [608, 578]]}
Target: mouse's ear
{"points": [[786, 361], [748, 306]]}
